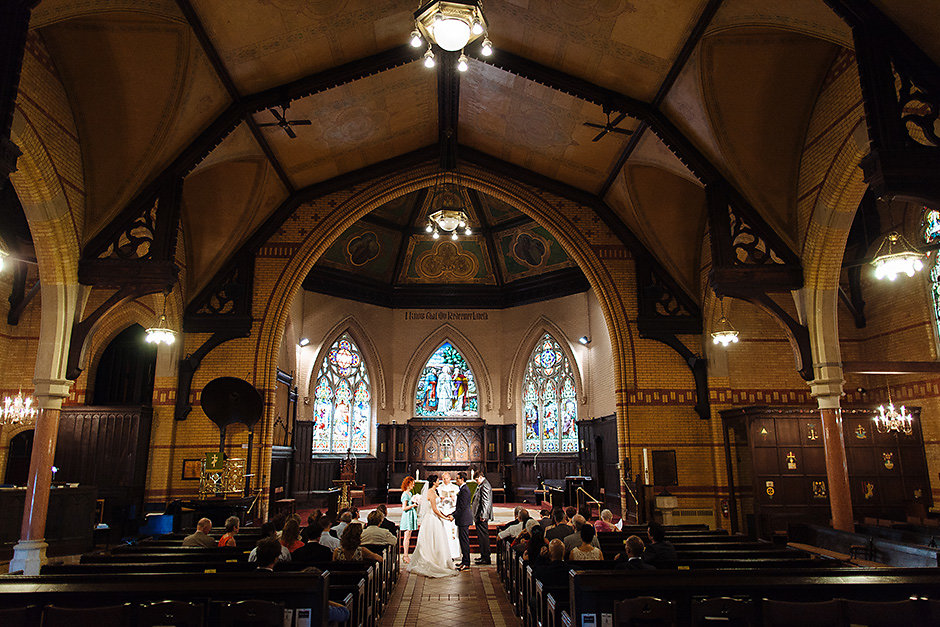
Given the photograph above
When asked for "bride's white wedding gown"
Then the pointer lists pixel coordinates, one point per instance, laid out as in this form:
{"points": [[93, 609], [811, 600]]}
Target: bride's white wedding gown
{"points": [[431, 556]]}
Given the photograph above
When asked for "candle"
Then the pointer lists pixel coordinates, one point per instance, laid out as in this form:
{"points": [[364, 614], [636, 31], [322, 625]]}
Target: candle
{"points": [[646, 469]]}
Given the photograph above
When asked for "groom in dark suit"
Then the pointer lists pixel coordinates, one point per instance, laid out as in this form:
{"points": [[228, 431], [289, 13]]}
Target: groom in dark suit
{"points": [[482, 508], [463, 519]]}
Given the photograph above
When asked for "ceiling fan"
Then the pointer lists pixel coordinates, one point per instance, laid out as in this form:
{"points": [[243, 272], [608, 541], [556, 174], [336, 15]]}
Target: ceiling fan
{"points": [[609, 127], [283, 122]]}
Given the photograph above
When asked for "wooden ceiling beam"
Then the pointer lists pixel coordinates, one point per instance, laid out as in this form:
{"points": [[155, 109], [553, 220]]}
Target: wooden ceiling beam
{"points": [[448, 108], [215, 59], [691, 42]]}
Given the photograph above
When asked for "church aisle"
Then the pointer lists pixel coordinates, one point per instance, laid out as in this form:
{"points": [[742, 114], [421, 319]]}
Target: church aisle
{"points": [[474, 597]]}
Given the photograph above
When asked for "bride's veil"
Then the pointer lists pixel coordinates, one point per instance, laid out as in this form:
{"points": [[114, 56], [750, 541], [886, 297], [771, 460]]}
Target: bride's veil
{"points": [[423, 507]]}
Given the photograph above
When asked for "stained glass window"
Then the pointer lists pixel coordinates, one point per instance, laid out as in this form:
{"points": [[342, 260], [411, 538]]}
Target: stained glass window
{"points": [[446, 387], [934, 277], [342, 408], [931, 225], [549, 401]]}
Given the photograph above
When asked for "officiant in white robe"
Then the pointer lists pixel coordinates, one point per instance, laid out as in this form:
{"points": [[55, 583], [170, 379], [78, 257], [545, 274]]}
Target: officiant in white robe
{"points": [[447, 491]]}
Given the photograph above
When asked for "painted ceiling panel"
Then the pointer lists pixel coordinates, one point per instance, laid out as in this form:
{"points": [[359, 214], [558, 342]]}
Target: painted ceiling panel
{"points": [[367, 249], [529, 250], [358, 124], [625, 45], [528, 124], [140, 89], [269, 42], [761, 88], [465, 261]]}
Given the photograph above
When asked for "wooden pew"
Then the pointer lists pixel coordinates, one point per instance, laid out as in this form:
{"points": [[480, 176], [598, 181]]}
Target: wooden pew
{"points": [[295, 590], [885, 551]]}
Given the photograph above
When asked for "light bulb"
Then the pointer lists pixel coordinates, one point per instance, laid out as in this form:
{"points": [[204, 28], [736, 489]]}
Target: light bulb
{"points": [[467, 232], [477, 28], [3, 256], [416, 40], [454, 235], [450, 33], [429, 59], [462, 63], [462, 224], [487, 48], [436, 235], [428, 228]]}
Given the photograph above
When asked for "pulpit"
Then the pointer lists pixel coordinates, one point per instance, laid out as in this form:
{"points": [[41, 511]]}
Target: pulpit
{"points": [[350, 491]]}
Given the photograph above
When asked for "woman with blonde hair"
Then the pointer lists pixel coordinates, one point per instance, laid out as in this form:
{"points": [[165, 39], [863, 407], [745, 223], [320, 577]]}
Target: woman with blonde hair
{"points": [[350, 546], [409, 513]]}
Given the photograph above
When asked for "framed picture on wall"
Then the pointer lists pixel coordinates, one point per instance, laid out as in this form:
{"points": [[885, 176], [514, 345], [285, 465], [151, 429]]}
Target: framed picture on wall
{"points": [[192, 469]]}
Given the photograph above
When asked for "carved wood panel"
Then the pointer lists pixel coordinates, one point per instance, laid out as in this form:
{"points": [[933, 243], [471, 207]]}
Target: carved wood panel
{"points": [[440, 442]]}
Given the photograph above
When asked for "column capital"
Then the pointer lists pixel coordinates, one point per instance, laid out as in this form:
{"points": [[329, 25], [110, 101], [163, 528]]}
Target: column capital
{"points": [[828, 391], [51, 392]]}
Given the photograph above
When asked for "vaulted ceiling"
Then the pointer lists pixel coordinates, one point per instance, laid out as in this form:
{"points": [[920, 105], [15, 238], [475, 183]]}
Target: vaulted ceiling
{"points": [[737, 80]]}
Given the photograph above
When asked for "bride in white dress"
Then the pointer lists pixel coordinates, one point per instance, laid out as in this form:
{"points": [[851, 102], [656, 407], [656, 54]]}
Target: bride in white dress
{"points": [[432, 554]]}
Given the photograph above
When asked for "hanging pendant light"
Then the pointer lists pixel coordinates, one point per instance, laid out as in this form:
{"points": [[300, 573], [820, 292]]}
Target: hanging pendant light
{"points": [[896, 256], [18, 410], [451, 25], [724, 332], [891, 420], [446, 209], [161, 333]]}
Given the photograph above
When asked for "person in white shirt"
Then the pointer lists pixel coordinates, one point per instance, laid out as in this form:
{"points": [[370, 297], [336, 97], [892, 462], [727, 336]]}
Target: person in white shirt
{"points": [[268, 531], [375, 533], [326, 539], [513, 530], [344, 519]]}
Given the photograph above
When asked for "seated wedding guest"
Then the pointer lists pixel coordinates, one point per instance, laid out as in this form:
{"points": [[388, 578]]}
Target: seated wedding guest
{"points": [[386, 523], [536, 551], [659, 552], [351, 549], [574, 540], [587, 551], [231, 528], [546, 519], [336, 613], [326, 538], [201, 538], [515, 519], [554, 573], [375, 533], [313, 526], [634, 559], [312, 551], [268, 553], [268, 531], [561, 529], [514, 529], [605, 524], [586, 512], [344, 519], [290, 535], [570, 513]]}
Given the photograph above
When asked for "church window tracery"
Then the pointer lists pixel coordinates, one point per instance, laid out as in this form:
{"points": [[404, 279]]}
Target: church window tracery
{"points": [[550, 410], [342, 410], [446, 386]]}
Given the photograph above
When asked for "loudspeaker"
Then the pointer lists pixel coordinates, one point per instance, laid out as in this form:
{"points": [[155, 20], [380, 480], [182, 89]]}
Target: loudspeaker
{"points": [[664, 468]]}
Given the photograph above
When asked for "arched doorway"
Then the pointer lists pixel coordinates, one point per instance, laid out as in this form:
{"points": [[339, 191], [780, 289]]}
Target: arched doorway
{"points": [[126, 370], [21, 447]]}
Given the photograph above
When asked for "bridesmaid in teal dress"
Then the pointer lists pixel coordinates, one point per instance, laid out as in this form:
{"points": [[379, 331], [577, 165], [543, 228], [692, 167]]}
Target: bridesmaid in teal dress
{"points": [[409, 513]]}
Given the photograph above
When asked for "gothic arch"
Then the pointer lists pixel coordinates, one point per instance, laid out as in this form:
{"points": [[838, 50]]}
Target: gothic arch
{"points": [[520, 359], [426, 348], [363, 340]]}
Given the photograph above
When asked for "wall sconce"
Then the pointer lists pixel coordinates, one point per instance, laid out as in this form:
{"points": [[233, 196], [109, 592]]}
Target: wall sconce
{"points": [[303, 342], [584, 340]]}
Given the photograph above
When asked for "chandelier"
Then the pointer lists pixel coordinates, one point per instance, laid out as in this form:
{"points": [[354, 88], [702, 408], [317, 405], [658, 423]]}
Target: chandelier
{"points": [[891, 420], [450, 25], [18, 410], [447, 210], [3, 255], [896, 256], [161, 333], [724, 332]]}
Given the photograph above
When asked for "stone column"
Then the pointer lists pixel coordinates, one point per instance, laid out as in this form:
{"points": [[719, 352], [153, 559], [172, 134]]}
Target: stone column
{"points": [[29, 554]]}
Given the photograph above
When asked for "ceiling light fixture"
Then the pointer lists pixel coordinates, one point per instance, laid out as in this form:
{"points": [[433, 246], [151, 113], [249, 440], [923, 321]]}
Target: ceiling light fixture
{"points": [[451, 25], [895, 256], [724, 332], [161, 333], [3, 255], [584, 340], [446, 209], [429, 61], [303, 342], [18, 410]]}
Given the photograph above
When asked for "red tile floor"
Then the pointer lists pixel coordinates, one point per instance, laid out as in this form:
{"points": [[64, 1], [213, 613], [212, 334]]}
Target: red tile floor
{"points": [[474, 597]]}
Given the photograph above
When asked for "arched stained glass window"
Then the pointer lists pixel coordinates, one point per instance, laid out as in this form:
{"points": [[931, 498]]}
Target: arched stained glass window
{"points": [[549, 407], [342, 408], [446, 387], [931, 232]]}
